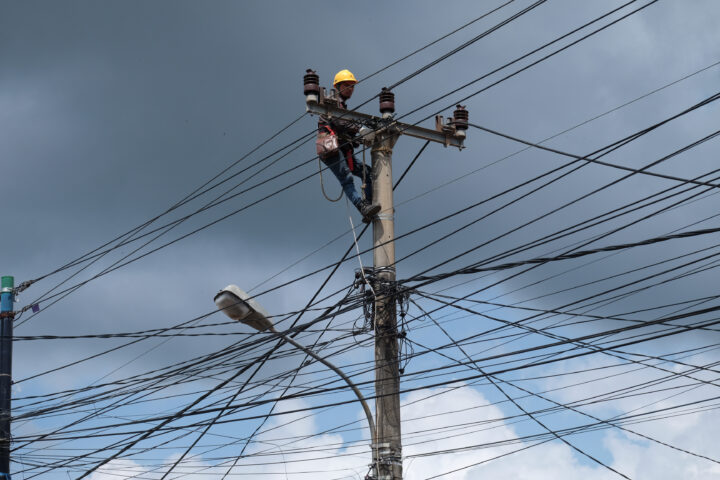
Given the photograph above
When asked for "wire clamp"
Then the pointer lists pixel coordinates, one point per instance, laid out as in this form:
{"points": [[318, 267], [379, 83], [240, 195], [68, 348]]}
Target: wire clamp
{"points": [[23, 286], [385, 150]]}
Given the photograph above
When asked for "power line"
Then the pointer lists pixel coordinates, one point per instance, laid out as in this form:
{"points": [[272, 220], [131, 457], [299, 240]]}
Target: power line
{"points": [[534, 63]]}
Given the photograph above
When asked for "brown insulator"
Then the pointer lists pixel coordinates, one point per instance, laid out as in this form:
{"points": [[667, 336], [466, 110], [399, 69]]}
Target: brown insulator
{"points": [[387, 102], [460, 118], [311, 83]]}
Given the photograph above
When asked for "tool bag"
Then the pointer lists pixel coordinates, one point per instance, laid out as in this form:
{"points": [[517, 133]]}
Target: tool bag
{"points": [[327, 143]]}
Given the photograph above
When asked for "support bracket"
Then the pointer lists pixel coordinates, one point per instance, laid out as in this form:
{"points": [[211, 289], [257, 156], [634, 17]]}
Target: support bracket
{"points": [[445, 135]]}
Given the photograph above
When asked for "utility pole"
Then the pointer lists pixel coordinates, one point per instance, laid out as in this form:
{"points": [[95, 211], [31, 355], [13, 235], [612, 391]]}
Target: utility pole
{"points": [[387, 447], [387, 375], [7, 286]]}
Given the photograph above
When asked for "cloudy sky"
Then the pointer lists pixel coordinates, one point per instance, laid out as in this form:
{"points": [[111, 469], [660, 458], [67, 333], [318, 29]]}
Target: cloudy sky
{"points": [[112, 112]]}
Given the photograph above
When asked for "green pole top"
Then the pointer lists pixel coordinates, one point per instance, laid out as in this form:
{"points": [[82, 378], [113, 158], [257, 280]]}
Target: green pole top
{"points": [[7, 283]]}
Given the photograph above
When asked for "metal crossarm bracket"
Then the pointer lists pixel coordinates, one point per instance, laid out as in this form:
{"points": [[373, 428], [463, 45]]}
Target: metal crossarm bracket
{"points": [[446, 134]]}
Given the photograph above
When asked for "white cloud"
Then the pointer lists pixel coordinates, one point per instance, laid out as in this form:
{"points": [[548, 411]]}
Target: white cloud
{"points": [[637, 458], [435, 421], [116, 469]]}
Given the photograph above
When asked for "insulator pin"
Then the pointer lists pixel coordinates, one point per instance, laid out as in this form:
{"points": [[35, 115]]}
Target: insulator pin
{"points": [[460, 118], [311, 86], [387, 102], [460, 121]]}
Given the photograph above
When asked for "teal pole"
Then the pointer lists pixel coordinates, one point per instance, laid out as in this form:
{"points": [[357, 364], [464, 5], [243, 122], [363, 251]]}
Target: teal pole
{"points": [[7, 285]]}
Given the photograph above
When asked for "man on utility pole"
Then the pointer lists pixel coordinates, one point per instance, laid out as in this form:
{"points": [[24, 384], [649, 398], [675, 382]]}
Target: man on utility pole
{"points": [[385, 131], [335, 147]]}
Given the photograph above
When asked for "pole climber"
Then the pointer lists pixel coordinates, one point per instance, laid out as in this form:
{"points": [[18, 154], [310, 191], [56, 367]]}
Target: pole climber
{"points": [[336, 141]]}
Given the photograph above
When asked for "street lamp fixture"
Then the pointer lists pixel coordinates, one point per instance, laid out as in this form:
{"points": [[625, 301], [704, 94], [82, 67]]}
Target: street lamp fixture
{"points": [[238, 305]]}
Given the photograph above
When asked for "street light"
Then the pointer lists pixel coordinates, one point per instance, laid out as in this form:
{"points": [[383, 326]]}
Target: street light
{"points": [[238, 305]]}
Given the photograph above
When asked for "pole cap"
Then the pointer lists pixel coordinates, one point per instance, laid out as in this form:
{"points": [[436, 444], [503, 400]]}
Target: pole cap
{"points": [[7, 283]]}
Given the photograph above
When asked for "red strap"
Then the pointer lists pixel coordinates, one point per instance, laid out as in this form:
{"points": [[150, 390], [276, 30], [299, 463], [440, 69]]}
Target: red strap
{"points": [[330, 129]]}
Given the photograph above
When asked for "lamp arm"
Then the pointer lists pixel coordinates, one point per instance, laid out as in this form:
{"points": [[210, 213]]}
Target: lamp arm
{"points": [[368, 413]]}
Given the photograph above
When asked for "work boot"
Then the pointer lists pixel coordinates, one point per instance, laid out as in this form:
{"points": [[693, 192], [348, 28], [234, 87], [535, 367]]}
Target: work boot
{"points": [[368, 210]]}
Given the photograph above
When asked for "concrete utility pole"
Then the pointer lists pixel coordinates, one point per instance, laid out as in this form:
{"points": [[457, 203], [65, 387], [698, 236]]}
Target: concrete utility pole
{"points": [[7, 315], [387, 375], [388, 444]]}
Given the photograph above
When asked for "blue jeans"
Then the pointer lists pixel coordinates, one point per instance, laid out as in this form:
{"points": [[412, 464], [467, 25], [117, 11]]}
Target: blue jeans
{"points": [[339, 166]]}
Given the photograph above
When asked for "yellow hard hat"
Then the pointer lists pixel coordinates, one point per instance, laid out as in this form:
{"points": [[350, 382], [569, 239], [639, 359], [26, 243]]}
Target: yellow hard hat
{"points": [[344, 76]]}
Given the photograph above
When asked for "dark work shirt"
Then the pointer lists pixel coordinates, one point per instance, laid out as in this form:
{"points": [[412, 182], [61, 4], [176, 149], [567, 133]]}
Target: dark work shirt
{"points": [[345, 129]]}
